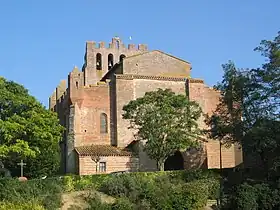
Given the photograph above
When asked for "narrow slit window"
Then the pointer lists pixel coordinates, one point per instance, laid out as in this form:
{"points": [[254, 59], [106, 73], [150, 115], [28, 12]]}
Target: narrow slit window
{"points": [[98, 61], [110, 61], [103, 123], [77, 84]]}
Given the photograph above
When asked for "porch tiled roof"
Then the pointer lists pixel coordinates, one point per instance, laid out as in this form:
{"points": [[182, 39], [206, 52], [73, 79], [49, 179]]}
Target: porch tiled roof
{"points": [[102, 150]]}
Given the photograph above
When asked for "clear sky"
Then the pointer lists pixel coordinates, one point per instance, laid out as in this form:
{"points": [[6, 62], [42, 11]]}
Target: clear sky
{"points": [[41, 41]]}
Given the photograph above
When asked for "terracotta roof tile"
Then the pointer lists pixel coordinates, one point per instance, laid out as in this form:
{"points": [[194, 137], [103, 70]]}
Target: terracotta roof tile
{"points": [[102, 150]]}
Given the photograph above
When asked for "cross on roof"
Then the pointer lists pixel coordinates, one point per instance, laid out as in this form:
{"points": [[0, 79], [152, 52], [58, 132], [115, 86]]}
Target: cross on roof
{"points": [[21, 164]]}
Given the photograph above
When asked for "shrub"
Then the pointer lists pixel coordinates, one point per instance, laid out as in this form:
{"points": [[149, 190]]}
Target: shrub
{"points": [[158, 190], [20, 206], [74, 182], [122, 185], [162, 192], [268, 197], [257, 196], [122, 203], [245, 197], [196, 194], [95, 203], [46, 192], [192, 175]]}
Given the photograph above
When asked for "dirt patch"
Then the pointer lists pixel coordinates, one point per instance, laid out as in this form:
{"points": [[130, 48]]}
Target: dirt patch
{"points": [[77, 200]]}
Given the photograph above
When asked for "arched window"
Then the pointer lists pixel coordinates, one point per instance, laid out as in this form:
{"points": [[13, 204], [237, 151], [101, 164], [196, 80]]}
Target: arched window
{"points": [[103, 123], [122, 56], [98, 61], [110, 61], [77, 84], [118, 44]]}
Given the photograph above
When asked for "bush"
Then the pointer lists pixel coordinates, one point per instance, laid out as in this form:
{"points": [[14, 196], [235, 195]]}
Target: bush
{"points": [[196, 194], [193, 175], [161, 192], [158, 190], [95, 203], [258, 196], [268, 197], [20, 206], [74, 182], [122, 204], [123, 185], [46, 192]]}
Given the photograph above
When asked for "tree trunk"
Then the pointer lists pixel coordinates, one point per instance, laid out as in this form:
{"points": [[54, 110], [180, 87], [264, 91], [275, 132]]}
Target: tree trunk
{"points": [[160, 165]]}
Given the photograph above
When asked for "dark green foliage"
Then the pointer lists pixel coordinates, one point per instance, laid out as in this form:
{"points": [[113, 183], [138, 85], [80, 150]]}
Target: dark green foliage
{"points": [[255, 196], [245, 198], [164, 190], [147, 190]]}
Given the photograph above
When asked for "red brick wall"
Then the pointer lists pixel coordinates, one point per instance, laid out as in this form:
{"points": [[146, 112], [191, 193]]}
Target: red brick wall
{"points": [[208, 99], [231, 156], [127, 90], [113, 163], [90, 103]]}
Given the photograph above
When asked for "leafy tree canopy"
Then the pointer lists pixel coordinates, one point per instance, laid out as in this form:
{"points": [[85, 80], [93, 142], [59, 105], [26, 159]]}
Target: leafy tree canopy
{"points": [[168, 122], [249, 109], [27, 131]]}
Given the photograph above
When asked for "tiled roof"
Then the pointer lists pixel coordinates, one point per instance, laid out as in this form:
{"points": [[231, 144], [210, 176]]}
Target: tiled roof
{"points": [[102, 150]]}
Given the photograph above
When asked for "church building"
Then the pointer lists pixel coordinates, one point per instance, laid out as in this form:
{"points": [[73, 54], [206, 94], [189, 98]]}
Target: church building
{"points": [[89, 105]]}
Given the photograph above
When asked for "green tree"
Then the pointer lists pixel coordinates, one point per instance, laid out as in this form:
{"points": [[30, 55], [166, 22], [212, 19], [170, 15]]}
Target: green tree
{"points": [[166, 121], [226, 123], [267, 78], [248, 111], [28, 131]]}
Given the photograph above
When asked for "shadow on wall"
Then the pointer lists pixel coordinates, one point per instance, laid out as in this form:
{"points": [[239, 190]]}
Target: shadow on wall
{"points": [[133, 164], [191, 159], [195, 158]]}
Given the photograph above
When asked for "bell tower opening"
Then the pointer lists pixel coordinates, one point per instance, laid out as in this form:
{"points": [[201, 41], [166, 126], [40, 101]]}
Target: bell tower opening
{"points": [[122, 56], [110, 61], [98, 61]]}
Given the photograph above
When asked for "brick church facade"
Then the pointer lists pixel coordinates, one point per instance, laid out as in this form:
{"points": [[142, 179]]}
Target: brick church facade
{"points": [[89, 105]]}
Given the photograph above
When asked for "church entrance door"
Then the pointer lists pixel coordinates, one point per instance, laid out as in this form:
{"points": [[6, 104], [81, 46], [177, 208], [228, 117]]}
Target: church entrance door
{"points": [[174, 162]]}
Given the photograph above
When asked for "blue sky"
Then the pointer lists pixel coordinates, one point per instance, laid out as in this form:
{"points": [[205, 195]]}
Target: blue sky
{"points": [[41, 41]]}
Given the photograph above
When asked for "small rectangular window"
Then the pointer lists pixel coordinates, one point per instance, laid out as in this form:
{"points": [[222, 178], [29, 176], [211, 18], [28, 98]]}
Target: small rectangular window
{"points": [[102, 166]]}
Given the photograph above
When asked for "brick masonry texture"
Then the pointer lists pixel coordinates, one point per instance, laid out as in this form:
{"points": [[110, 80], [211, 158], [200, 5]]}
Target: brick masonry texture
{"points": [[87, 94], [87, 166], [156, 63]]}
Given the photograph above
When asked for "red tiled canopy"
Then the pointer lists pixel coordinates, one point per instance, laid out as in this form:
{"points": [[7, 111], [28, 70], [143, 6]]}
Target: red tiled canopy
{"points": [[102, 150]]}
